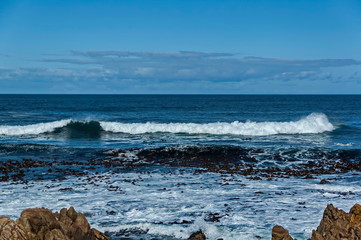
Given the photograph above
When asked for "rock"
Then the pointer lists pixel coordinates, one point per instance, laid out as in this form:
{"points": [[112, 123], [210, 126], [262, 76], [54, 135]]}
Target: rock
{"points": [[324, 181], [96, 235], [42, 224], [9, 230], [81, 222], [197, 236], [55, 234], [338, 225], [71, 213], [335, 224], [36, 222], [279, 233]]}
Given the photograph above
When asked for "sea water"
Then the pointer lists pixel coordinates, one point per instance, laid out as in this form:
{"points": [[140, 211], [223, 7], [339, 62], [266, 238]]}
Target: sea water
{"points": [[170, 192]]}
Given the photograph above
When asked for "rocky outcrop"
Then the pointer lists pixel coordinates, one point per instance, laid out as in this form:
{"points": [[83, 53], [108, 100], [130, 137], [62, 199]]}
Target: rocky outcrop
{"points": [[42, 224], [336, 224], [279, 233], [10, 230], [197, 236]]}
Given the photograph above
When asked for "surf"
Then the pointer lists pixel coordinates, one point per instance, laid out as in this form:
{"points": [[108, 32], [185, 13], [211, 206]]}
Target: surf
{"points": [[312, 124]]}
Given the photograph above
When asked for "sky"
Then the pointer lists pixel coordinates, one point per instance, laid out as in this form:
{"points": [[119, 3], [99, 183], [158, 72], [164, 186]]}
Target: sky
{"points": [[180, 47]]}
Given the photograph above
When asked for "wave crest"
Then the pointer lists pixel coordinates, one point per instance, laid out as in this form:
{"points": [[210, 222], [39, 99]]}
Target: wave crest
{"points": [[313, 123], [32, 129]]}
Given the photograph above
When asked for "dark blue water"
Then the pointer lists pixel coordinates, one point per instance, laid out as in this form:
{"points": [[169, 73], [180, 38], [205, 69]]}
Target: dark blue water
{"points": [[28, 109], [86, 111], [35, 125]]}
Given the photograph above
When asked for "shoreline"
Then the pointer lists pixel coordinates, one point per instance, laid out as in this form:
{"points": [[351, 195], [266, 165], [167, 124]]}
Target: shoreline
{"points": [[41, 223], [133, 194]]}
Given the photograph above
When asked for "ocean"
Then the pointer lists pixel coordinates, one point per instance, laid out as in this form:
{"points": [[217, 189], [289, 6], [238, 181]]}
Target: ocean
{"points": [[164, 166]]}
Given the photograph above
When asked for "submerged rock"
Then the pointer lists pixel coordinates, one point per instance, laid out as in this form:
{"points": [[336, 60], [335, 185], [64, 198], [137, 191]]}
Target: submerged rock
{"points": [[42, 224]]}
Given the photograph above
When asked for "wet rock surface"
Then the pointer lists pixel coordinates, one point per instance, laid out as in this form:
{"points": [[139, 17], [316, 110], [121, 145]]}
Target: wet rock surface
{"points": [[42, 224], [197, 236], [250, 162], [239, 160]]}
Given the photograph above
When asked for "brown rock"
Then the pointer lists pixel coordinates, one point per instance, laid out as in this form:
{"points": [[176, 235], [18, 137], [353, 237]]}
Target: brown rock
{"points": [[55, 234], [72, 214], [81, 222], [355, 212], [279, 233], [338, 225], [9, 230], [96, 235], [335, 225], [37, 222], [197, 236], [42, 224]]}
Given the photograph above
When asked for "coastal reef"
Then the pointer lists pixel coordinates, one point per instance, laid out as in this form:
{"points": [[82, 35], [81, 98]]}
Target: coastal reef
{"points": [[43, 224]]}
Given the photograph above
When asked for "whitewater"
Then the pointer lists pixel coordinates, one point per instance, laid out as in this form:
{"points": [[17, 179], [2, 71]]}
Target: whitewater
{"points": [[312, 124]]}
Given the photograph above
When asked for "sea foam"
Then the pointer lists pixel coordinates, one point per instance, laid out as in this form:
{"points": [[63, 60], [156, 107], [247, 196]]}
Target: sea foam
{"points": [[32, 129], [313, 123]]}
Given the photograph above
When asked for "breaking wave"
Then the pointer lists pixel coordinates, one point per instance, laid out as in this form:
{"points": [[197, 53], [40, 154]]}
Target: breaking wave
{"points": [[313, 123], [32, 129]]}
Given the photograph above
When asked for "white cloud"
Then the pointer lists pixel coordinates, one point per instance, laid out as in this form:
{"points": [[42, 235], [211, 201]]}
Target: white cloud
{"points": [[163, 72]]}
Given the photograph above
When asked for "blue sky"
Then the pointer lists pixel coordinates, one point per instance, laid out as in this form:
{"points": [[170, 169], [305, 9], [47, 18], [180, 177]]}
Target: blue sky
{"points": [[80, 46]]}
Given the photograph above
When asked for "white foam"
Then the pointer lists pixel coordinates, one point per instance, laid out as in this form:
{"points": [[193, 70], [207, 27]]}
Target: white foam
{"points": [[32, 129], [145, 201], [344, 144], [313, 123]]}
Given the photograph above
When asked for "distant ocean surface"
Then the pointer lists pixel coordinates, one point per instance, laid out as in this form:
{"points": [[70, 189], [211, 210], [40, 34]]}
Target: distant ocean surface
{"points": [[105, 121], [278, 131]]}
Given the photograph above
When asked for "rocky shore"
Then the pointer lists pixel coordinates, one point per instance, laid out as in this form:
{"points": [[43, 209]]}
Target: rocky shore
{"points": [[336, 224], [42, 224], [241, 171]]}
